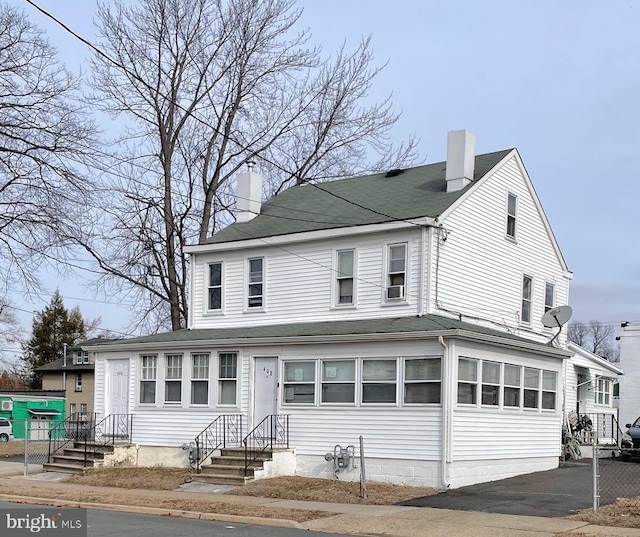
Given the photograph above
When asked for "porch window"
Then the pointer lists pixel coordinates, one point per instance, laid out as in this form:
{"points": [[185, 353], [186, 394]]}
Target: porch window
{"points": [[148, 378], [256, 283], [345, 281], [299, 382], [512, 204], [339, 381], [490, 383], [200, 379], [527, 284], [467, 381], [227, 378], [422, 380], [379, 381], [549, 388], [215, 287], [512, 380], [603, 392], [173, 378], [531, 387], [397, 272]]}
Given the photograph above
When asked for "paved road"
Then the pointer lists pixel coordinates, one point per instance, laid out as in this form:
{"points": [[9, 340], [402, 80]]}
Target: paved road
{"points": [[112, 523], [554, 493]]}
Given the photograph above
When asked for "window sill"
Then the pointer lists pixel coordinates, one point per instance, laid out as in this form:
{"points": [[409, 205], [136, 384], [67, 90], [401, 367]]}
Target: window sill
{"points": [[344, 307], [255, 310], [511, 239], [213, 313], [394, 303]]}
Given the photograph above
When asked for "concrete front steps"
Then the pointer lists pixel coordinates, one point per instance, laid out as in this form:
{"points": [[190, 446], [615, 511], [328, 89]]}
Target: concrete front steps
{"points": [[228, 467], [71, 459]]}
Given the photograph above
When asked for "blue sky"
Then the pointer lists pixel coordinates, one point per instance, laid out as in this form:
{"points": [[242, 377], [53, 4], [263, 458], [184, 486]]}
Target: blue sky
{"points": [[558, 80]]}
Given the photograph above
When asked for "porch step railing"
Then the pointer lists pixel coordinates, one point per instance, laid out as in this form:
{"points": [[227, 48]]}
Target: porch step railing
{"points": [[271, 432], [72, 429], [224, 431]]}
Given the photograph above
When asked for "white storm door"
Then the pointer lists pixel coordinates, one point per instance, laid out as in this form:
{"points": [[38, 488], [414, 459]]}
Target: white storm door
{"points": [[117, 387], [265, 388]]}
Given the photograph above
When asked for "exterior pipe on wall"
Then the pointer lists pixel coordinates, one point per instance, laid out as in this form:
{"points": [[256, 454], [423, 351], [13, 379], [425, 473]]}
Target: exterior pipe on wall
{"points": [[446, 413], [423, 267]]}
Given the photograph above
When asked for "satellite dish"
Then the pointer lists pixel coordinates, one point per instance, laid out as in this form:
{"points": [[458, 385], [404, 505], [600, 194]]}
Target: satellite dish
{"points": [[556, 317]]}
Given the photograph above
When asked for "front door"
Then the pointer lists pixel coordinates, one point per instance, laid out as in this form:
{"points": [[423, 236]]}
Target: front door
{"points": [[265, 388], [117, 405]]}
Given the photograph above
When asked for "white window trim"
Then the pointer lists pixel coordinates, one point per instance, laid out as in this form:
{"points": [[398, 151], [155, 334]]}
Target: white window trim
{"points": [[219, 379], [263, 307], [547, 307], [335, 287], [285, 383], [403, 361], [607, 391], [513, 237], [385, 274], [165, 379], [530, 299], [207, 286], [140, 380], [538, 390], [356, 377], [475, 382], [78, 382], [482, 383], [361, 382], [192, 379]]}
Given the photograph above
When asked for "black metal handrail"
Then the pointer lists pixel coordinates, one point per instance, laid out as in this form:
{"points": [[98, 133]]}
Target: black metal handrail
{"points": [[271, 432], [603, 425], [70, 430], [225, 430]]}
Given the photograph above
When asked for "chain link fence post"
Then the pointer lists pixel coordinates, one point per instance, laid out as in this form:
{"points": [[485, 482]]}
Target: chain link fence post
{"points": [[595, 454]]}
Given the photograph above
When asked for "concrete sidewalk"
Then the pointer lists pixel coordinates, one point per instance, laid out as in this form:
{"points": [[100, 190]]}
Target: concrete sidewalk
{"points": [[398, 521]]}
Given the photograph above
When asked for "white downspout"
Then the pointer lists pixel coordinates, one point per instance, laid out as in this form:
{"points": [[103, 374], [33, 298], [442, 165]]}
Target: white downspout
{"points": [[429, 261], [423, 266], [446, 413]]}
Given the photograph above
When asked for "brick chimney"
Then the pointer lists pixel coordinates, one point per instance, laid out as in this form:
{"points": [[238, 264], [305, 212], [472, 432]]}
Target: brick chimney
{"points": [[249, 194], [461, 146]]}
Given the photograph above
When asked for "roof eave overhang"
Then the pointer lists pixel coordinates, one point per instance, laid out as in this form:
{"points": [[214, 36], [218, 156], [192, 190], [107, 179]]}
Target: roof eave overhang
{"points": [[468, 335], [289, 238]]}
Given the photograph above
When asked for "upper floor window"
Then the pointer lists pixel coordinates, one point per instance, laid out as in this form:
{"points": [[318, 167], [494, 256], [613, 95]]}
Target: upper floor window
{"points": [[78, 382], [148, 378], [173, 378], [512, 204], [549, 292], [397, 272], [215, 286], [82, 357], [345, 277], [527, 285], [256, 283]]}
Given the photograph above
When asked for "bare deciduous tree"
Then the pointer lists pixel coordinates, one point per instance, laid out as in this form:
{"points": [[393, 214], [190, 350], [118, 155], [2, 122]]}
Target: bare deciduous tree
{"points": [[44, 137], [205, 86], [595, 337]]}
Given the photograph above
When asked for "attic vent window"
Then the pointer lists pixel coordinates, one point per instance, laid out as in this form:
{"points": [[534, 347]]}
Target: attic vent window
{"points": [[394, 173]]}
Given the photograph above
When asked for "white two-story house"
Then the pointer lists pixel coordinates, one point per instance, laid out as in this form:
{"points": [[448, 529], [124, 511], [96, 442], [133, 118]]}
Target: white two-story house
{"points": [[404, 307]]}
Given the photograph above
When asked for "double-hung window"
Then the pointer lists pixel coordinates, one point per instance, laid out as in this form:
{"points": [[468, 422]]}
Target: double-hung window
{"points": [[215, 287], [173, 378], [227, 377], [256, 283], [603, 392], [531, 387], [344, 284], [490, 383], [512, 385], [549, 292], [422, 380], [148, 378], [527, 285], [512, 203], [397, 272], [83, 409], [549, 387], [299, 382], [379, 381], [339, 381], [467, 381], [200, 379]]}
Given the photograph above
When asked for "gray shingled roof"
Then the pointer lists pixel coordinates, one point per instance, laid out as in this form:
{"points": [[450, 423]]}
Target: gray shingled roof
{"points": [[57, 365], [426, 323], [372, 199]]}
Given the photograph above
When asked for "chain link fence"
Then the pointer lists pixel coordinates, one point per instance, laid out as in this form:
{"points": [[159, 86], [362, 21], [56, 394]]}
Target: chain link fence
{"points": [[616, 476]]}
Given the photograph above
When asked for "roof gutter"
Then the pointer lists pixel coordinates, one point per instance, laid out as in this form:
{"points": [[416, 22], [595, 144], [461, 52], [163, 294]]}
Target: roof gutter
{"points": [[529, 346]]}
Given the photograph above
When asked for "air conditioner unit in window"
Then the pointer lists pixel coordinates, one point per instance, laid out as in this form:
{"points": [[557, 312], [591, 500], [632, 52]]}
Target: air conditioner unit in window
{"points": [[395, 292], [6, 406]]}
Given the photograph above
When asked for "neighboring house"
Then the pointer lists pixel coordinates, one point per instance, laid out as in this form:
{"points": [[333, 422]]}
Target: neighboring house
{"points": [[629, 402], [35, 411], [74, 374], [589, 386], [404, 307]]}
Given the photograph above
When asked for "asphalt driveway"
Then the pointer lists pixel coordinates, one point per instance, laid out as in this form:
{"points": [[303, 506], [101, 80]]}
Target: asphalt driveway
{"points": [[553, 493]]}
